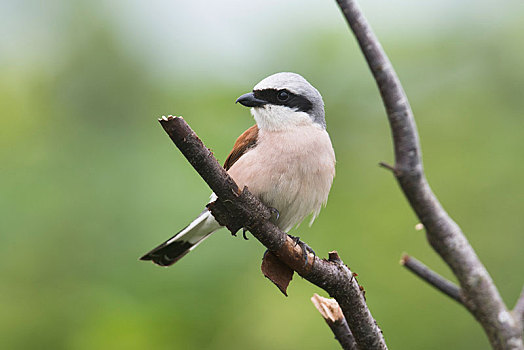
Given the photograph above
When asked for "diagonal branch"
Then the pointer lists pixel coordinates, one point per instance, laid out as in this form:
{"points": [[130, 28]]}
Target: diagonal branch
{"points": [[236, 209], [481, 296], [430, 276]]}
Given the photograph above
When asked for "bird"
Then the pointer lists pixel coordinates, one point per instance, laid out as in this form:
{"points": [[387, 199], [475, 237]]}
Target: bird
{"points": [[286, 159]]}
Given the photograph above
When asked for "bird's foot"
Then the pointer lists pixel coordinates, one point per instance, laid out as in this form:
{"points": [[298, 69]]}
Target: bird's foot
{"points": [[244, 230], [305, 248]]}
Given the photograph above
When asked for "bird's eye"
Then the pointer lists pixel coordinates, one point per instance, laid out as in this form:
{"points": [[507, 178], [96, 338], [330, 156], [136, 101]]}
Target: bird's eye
{"points": [[282, 95]]}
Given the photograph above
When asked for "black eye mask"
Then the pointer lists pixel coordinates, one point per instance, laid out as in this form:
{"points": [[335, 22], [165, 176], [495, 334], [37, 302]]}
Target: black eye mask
{"points": [[284, 98]]}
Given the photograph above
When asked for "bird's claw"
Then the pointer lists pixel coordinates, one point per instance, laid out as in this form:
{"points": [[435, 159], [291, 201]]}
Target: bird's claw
{"points": [[305, 249], [244, 230]]}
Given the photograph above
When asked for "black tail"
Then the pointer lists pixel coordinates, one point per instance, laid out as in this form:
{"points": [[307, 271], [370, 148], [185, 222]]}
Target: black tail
{"points": [[183, 242], [168, 254]]}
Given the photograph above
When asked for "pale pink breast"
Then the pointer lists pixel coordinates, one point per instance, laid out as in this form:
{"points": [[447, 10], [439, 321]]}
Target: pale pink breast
{"points": [[290, 170]]}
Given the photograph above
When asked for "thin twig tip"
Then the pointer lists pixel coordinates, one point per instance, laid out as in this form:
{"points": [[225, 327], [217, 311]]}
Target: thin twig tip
{"points": [[404, 259], [388, 167]]}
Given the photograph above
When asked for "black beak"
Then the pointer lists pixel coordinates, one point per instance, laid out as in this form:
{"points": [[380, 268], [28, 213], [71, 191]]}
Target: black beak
{"points": [[249, 100]]}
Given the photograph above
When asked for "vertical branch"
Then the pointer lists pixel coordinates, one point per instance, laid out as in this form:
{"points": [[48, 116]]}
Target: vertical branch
{"points": [[481, 296]]}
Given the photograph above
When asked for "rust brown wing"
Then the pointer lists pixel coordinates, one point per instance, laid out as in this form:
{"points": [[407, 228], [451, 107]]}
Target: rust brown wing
{"points": [[244, 142]]}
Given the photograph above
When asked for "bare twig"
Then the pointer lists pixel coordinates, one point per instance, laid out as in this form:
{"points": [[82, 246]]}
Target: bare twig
{"points": [[236, 209], [481, 296], [330, 310], [430, 276], [387, 166]]}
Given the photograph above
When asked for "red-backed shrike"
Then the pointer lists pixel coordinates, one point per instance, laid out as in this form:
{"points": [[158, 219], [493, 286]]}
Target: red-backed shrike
{"points": [[286, 159]]}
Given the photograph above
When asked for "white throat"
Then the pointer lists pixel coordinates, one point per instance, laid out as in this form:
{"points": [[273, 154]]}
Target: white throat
{"points": [[278, 118]]}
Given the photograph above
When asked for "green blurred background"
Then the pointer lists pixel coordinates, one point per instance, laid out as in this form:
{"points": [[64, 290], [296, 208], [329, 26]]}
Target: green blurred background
{"points": [[89, 181]]}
